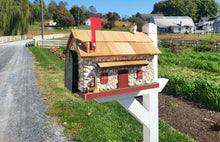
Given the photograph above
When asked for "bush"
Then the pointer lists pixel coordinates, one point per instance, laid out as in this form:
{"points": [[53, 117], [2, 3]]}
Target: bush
{"points": [[67, 21], [203, 48], [196, 90], [166, 44]]}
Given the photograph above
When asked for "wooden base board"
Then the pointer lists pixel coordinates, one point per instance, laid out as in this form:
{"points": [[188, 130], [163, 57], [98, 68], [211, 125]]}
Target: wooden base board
{"points": [[87, 96]]}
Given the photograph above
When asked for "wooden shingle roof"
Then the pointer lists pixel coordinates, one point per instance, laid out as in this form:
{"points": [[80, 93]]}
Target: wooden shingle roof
{"points": [[114, 43]]}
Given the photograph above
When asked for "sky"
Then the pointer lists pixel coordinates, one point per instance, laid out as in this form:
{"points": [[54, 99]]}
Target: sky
{"points": [[125, 8]]}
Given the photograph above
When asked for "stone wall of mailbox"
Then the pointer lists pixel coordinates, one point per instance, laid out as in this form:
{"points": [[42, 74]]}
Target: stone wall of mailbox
{"points": [[88, 70]]}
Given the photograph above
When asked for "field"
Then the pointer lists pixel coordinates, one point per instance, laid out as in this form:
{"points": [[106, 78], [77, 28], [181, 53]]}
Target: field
{"points": [[205, 37], [88, 120], [64, 30], [195, 75]]}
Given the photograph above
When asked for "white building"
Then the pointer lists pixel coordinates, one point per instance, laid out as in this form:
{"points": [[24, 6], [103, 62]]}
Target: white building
{"points": [[88, 22], [174, 24]]}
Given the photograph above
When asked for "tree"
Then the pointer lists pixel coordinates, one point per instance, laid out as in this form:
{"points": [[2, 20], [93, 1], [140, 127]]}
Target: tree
{"points": [[62, 4], [207, 8], [92, 10], [138, 19], [80, 14], [52, 7], [77, 14], [15, 16], [193, 8], [60, 13], [67, 21], [111, 18], [138, 15], [35, 11], [116, 16]]}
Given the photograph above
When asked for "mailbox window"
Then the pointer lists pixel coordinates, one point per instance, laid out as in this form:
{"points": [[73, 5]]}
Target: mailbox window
{"points": [[104, 78], [140, 74]]}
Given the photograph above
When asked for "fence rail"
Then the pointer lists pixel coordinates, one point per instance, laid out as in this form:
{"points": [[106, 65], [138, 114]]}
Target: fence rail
{"points": [[213, 46], [12, 38], [51, 43]]}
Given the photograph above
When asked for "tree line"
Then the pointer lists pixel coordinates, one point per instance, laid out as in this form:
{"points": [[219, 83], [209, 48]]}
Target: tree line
{"points": [[17, 15], [192, 8]]}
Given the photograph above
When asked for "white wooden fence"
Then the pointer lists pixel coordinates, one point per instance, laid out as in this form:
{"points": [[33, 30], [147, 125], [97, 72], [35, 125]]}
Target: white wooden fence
{"points": [[213, 46], [47, 42], [12, 38], [51, 43], [51, 36]]}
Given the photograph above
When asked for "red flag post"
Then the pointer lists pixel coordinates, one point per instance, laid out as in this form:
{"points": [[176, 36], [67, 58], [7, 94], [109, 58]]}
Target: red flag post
{"points": [[95, 24]]}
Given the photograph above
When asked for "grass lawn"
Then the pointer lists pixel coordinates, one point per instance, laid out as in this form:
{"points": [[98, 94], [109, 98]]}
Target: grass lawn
{"points": [[88, 121]]}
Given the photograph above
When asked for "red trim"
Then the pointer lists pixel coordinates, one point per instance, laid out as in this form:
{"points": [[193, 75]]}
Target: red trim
{"points": [[122, 78], [140, 74], [104, 78], [117, 91]]}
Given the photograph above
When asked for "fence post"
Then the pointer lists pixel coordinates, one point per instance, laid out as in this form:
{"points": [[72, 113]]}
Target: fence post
{"points": [[215, 43], [197, 45]]}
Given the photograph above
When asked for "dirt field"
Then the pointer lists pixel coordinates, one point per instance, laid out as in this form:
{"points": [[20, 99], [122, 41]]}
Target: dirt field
{"points": [[189, 118], [172, 36], [31, 34]]}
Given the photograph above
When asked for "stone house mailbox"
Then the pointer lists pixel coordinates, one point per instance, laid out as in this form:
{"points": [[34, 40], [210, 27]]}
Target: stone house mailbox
{"points": [[120, 66], [120, 60]]}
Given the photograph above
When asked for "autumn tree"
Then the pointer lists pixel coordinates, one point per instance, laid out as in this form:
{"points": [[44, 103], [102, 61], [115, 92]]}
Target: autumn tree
{"points": [[60, 13], [53, 7]]}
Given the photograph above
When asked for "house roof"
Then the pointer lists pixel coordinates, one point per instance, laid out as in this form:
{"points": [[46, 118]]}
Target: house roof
{"points": [[114, 43], [172, 21], [208, 18], [148, 16], [122, 63]]}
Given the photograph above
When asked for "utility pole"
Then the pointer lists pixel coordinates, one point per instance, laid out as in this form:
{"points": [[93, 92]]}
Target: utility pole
{"points": [[42, 20]]}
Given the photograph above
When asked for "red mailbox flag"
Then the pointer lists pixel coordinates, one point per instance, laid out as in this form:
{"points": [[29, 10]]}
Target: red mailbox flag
{"points": [[95, 24]]}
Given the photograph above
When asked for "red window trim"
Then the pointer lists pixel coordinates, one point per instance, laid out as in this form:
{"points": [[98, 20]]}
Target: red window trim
{"points": [[140, 74], [104, 78]]}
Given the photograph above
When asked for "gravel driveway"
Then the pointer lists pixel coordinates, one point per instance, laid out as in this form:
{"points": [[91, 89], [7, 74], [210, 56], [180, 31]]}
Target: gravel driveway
{"points": [[22, 111]]}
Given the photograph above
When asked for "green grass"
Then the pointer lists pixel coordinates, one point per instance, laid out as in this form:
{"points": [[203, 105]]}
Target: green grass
{"points": [[88, 120], [195, 75], [196, 60]]}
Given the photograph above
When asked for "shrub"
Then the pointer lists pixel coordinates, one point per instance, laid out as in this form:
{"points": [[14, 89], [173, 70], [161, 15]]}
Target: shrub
{"points": [[166, 44], [198, 90], [203, 48]]}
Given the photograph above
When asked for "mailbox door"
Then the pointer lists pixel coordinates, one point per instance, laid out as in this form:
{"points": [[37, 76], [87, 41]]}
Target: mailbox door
{"points": [[71, 71], [122, 78], [75, 72]]}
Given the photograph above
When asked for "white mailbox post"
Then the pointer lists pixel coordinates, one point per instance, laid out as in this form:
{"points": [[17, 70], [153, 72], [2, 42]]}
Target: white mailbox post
{"points": [[146, 114]]}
